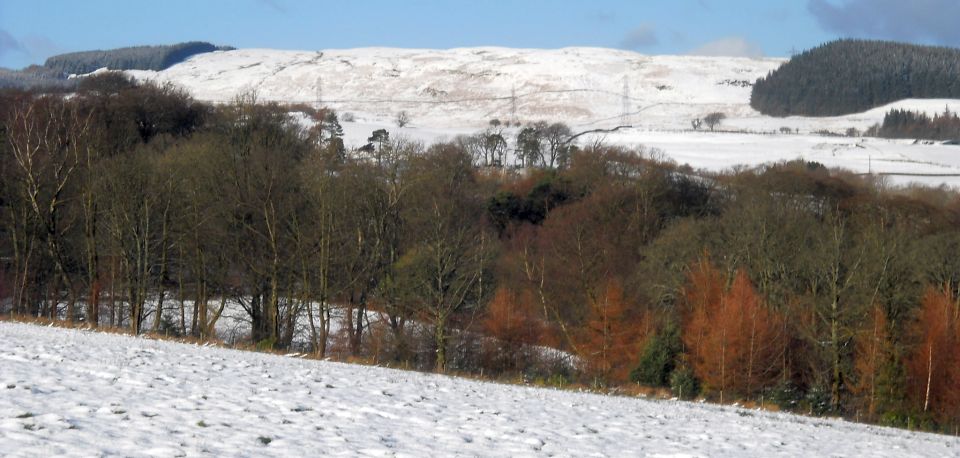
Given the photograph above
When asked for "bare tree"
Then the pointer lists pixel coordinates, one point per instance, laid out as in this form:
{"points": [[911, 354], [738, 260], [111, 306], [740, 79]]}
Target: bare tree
{"points": [[403, 119], [44, 136], [557, 136], [443, 270], [488, 148], [714, 119]]}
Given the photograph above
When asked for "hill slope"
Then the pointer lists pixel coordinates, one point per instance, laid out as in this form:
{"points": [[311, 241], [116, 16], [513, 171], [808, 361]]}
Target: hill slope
{"points": [[73, 393], [467, 87]]}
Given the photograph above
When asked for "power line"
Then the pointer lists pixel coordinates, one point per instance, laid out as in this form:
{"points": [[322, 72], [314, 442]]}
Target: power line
{"points": [[319, 92], [513, 97], [625, 102], [513, 104]]}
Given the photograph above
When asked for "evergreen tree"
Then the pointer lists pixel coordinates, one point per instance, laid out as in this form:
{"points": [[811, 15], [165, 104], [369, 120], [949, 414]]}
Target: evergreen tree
{"points": [[659, 358], [851, 76]]}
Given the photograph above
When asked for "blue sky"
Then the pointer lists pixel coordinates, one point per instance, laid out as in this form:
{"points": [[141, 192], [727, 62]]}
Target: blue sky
{"points": [[32, 30]]}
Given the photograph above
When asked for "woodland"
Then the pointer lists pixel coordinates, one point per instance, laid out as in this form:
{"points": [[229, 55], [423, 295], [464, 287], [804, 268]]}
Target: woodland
{"points": [[913, 125], [54, 74], [812, 289], [851, 76]]}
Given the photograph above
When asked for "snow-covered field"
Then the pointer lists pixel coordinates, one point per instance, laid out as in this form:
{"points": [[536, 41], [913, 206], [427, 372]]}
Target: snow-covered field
{"points": [[904, 161], [82, 393]]}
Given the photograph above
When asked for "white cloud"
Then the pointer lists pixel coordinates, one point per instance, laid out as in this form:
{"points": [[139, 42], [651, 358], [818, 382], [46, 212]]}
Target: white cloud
{"points": [[729, 46], [641, 37]]}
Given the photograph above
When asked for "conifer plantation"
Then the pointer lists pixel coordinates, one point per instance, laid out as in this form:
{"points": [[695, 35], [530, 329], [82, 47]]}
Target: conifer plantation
{"points": [[851, 76], [816, 290]]}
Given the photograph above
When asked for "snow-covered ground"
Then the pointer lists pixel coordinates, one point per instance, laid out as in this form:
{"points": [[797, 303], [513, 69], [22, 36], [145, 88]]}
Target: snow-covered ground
{"points": [[82, 393]]}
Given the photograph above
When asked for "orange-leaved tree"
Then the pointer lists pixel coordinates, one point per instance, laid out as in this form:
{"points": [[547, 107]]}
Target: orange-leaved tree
{"points": [[733, 339], [933, 367], [612, 335], [873, 357], [513, 324]]}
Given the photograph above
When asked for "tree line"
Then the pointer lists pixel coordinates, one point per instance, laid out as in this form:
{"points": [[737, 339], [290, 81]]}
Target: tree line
{"points": [[130, 58], [918, 125], [817, 290], [54, 72], [850, 76]]}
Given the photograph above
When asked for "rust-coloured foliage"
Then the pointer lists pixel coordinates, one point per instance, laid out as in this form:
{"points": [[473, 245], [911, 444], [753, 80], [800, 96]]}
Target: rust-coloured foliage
{"points": [[734, 341], [873, 350], [934, 364], [512, 318], [612, 336]]}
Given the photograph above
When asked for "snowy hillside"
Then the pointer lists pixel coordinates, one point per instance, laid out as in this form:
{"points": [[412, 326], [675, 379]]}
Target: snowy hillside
{"points": [[452, 92], [468, 87], [81, 393]]}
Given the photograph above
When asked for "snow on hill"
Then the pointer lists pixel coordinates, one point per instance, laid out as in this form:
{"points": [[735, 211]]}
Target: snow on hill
{"points": [[457, 91], [468, 87], [82, 393]]}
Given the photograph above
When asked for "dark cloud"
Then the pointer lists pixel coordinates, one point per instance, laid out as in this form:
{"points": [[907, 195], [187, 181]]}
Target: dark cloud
{"points": [[641, 37], [9, 44], [928, 21]]}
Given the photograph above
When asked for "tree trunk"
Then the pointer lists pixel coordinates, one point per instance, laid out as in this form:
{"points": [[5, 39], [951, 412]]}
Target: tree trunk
{"points": [[113, 293], [181, 299], [200, 311], [440, 339], [211, 325], [92, 258], [837, 373], [926, 397], [161, 289]]}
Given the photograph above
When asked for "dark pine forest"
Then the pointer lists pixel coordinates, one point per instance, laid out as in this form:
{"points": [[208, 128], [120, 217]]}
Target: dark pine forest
{"points": [[851, 76]]}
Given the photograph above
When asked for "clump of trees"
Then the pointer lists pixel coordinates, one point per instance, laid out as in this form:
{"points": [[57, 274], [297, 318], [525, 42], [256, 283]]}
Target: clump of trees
{"points": [[851, 76], [711, 120], [54, 72], [542, 144], [714, 119], [911, 124], [36, 77], [489, 147], [131, 58], [815, 289]]}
